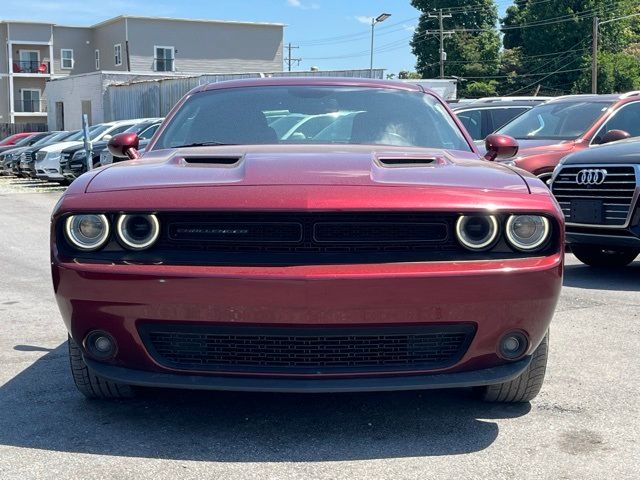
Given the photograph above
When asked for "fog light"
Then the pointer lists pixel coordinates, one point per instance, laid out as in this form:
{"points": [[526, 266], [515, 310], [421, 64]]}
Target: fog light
{"points": [[513, 345], [100, 345]]}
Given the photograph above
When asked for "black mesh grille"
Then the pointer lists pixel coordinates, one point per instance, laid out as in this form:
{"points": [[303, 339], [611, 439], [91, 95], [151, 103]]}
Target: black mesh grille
{"points": [[311, 350], [309, 232]]}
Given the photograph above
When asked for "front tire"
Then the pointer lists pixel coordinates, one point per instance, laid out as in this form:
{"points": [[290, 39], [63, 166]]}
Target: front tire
{"points": [[597, 256], [524, 387], [91, 385]]}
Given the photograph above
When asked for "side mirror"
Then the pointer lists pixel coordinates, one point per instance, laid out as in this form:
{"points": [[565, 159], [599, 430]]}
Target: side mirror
{"points": [[614, 136], [107, 137], [500, 146], [124, 145]]}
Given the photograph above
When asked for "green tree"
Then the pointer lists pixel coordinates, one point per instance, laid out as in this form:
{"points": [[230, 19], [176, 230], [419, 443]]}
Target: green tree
{"points": [[554, 38], [473, 50]]}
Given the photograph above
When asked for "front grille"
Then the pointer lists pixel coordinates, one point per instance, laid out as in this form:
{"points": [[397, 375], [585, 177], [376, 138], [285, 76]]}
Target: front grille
{"points": [[313, 233], [616, 192], [28, 156], [306, 350], [64, 160]]}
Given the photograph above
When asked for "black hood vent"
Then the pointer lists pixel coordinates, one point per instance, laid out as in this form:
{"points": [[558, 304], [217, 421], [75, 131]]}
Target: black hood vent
{"points": [[212, 160], [406, 162]]}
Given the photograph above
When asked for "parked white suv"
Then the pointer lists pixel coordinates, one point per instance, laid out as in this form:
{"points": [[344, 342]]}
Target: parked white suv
{"points": [[47, 162]]}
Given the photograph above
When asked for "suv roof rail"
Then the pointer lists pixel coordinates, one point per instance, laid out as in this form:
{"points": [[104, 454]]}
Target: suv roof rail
{"points": [[515, 99]]}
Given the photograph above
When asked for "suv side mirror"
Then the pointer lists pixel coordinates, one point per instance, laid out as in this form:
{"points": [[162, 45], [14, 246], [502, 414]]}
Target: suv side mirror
{"points": [[124, 145], [614, 136], [500, 146]]}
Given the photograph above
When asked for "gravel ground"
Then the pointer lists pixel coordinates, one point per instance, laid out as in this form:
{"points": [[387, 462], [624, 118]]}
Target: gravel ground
{"points": [[584, 424]]}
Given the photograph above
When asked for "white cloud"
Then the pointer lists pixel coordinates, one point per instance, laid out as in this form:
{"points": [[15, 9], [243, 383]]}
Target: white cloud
{"points": [[409, 28], [303, 6], [363, 19]]}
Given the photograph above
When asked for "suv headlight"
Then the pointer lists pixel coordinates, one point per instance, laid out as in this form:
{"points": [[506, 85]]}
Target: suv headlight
{"points": [[87, 232], [527, 232], [138, 231], [477, 232], [80, 154]]}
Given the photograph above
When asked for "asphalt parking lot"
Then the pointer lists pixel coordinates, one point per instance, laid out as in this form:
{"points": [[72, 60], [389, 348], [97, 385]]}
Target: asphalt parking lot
{"points": [[583, 425]]}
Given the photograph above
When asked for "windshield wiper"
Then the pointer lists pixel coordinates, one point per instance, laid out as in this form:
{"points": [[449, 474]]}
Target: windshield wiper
{"points": [[203, 144]]}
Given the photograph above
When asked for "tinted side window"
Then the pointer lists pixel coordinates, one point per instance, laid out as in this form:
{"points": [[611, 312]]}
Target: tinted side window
{"points": [[148, 133], [472, 121], [501, 116], [627, 118]]}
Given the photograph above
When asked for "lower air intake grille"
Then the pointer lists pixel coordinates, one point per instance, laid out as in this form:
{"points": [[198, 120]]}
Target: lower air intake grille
{"points": [[306, 350]]}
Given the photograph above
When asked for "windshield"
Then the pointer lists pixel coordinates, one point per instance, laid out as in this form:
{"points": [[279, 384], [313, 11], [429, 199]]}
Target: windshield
{"points": [[78, 135], [54, 137], [313, 115], [556, 120]]}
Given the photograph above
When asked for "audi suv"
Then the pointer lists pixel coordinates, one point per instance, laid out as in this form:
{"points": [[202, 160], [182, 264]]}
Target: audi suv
{"points": [[598, 191]]}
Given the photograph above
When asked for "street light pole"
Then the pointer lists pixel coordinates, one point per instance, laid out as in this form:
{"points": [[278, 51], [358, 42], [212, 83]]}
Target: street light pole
{"points": [[380, 18]]}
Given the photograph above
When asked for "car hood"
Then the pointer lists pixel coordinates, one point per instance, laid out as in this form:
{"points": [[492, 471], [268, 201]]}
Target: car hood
{"points": [[308, 165], [622, 152], [538, 147], [58, 147], [13, 151]]}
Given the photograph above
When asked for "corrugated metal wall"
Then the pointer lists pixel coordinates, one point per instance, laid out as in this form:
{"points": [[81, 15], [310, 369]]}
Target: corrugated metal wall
{"points": [[155, 98]]}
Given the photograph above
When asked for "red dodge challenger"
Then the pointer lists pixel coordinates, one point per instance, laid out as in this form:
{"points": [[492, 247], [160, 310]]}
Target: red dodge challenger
{"points": [[372, 249]]}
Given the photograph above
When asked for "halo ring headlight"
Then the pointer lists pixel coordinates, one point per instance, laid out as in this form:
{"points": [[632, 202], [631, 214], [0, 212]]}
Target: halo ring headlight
{"points": [[138, 231], [527, 232], [477, 232], [87, 232]]}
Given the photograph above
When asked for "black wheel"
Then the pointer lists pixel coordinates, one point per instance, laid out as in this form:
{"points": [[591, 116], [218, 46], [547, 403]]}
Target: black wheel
{"points": [[91, 385], [525, 387], [597, 256]]}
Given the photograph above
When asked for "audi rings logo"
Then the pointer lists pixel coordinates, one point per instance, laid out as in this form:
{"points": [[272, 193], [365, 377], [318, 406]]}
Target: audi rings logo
{"points": [[591, 176]]}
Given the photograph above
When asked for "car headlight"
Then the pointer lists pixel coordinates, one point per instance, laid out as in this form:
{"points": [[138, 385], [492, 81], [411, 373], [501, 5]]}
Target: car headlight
{"points": [[477, 232], [138, 231], [87, 232], [527, 232], [80, 154]]}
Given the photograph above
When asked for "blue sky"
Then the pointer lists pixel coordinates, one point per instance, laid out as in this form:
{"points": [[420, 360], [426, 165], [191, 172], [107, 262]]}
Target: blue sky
{"points": [[311, 24]]}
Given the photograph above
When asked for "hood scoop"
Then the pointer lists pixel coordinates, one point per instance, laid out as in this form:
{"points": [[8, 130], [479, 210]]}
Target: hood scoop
{"points": [[213, 160], [405, 162]]}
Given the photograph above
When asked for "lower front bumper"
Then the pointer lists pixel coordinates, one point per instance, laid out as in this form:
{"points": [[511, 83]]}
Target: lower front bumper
{"points": [[475, 378], [602, 240]]}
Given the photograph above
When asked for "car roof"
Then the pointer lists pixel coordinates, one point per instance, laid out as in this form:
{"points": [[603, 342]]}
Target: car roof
{"points": [[312, 81], [590, 97], [494, 104]]}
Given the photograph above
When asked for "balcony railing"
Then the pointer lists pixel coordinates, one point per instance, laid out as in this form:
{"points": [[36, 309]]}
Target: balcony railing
{"points": [[31, 106], [30, 67], [163, 64]]}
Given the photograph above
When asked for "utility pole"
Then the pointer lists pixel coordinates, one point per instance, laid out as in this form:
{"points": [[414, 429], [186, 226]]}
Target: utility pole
{"points": [[291, 60], [594, 56], [594, 53], [440, 16]]}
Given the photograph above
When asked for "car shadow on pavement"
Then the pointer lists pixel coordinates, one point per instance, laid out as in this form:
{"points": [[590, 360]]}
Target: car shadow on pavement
{"points": [[582, 276], [40, 408]]}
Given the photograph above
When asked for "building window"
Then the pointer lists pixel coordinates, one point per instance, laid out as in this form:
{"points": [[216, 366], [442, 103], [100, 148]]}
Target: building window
{"points": [[97, 56], [163, 59], [117, 54], [30, 100], [66, 58], [29, 61]]}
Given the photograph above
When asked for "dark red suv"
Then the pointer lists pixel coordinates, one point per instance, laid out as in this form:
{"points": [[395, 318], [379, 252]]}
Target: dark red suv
{"points": [[550, 131]]}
